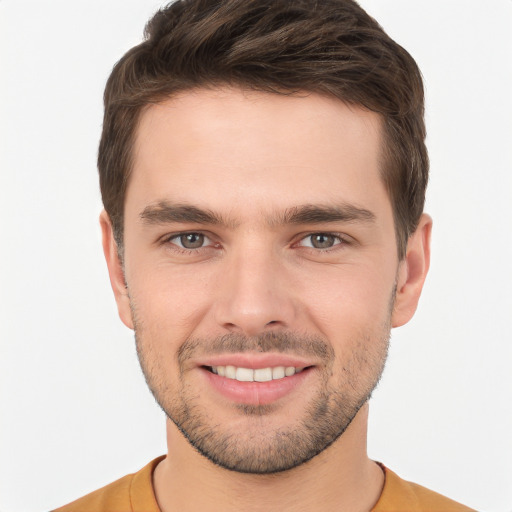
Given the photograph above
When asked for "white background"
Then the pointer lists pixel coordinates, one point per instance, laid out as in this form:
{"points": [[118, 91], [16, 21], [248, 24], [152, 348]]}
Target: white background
{"points": [[75, 412]]}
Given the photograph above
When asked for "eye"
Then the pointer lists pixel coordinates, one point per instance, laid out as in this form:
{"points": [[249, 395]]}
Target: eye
{"points": [[320, 241], [190, 240]]}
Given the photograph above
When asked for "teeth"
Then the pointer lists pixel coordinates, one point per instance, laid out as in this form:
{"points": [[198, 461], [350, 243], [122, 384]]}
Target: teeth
{"points": [[230, 372], [259, 375], [263, 374], [244, 374], [289, 371], [278, 372]]}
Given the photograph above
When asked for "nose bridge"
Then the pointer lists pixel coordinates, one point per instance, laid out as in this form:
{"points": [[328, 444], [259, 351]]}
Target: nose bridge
{"points": [[251, 295]]}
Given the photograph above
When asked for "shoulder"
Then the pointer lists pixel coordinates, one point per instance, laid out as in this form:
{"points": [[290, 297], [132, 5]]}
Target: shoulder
{"points": [[400, 495], [127, 494], [116, 494]]}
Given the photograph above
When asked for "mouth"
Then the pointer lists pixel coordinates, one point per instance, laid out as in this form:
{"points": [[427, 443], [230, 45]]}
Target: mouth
{"points": [[265, 384], [267, 374]]}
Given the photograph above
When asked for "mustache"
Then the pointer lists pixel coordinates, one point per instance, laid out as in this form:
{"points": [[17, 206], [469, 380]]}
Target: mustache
{"points": [[284, 342]]}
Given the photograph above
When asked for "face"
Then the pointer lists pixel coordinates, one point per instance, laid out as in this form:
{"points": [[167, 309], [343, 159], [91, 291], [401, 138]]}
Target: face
{"points": [[261, 270]]}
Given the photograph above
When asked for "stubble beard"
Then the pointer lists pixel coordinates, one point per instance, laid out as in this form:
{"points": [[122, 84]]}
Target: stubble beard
{"points": [[258, 449]]}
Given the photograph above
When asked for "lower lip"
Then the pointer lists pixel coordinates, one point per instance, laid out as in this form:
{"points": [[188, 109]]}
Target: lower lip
{"points": [[256, 393]]}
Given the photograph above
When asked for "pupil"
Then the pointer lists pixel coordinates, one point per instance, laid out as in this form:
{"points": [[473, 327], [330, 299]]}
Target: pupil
{"points": [[321, 241], [192, 240]]}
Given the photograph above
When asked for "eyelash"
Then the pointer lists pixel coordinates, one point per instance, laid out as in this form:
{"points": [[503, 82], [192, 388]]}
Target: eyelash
{"points": [[168, 240], [341, 241]]}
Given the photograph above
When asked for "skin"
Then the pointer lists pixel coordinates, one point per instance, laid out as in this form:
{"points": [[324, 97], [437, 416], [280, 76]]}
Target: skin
{"points": [[249, 158]]}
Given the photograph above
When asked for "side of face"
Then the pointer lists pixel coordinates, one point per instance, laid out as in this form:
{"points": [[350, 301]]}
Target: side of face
{"points": [[258, 235]]}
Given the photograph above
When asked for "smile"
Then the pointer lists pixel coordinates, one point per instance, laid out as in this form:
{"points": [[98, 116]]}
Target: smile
{"points": [[255, 375]]}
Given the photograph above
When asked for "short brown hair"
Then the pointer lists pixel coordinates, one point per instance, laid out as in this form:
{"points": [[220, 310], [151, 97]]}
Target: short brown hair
{"points": [[330, 47]]}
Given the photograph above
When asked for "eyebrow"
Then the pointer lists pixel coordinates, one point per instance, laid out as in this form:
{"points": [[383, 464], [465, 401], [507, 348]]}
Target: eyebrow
{"points": [[164, 212], [315, 214]]}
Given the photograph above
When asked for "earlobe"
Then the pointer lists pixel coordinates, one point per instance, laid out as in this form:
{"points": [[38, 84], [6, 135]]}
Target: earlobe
{"points": [[412, 272], [115, 270]]}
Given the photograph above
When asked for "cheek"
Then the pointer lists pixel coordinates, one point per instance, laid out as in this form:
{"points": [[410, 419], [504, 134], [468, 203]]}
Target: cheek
{"points": [[169, 300], [349, 300]]}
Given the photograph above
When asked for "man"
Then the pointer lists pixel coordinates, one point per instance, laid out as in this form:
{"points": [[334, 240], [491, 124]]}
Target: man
{"points": [[263, 172]]}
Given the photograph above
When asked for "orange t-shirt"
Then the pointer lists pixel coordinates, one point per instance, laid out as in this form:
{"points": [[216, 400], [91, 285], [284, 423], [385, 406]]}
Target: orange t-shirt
{"points": [[134, 493]]}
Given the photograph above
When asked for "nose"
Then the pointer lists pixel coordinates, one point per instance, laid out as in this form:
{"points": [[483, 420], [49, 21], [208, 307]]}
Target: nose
{"points": [[253, 296]]}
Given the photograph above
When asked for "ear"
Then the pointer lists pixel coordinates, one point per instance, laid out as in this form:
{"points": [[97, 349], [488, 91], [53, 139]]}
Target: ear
{"points": [[115, 270], [412, 273]]}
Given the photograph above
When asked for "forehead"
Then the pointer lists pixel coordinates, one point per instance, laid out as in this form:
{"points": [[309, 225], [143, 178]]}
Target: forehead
{"points": [[242, 148]]}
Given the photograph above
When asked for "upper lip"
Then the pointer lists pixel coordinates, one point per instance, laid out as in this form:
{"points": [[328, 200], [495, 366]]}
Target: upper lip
{"points": [[255, 361]]}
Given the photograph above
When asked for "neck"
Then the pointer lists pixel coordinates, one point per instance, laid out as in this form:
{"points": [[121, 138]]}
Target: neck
{"points": [[340, 478]]}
